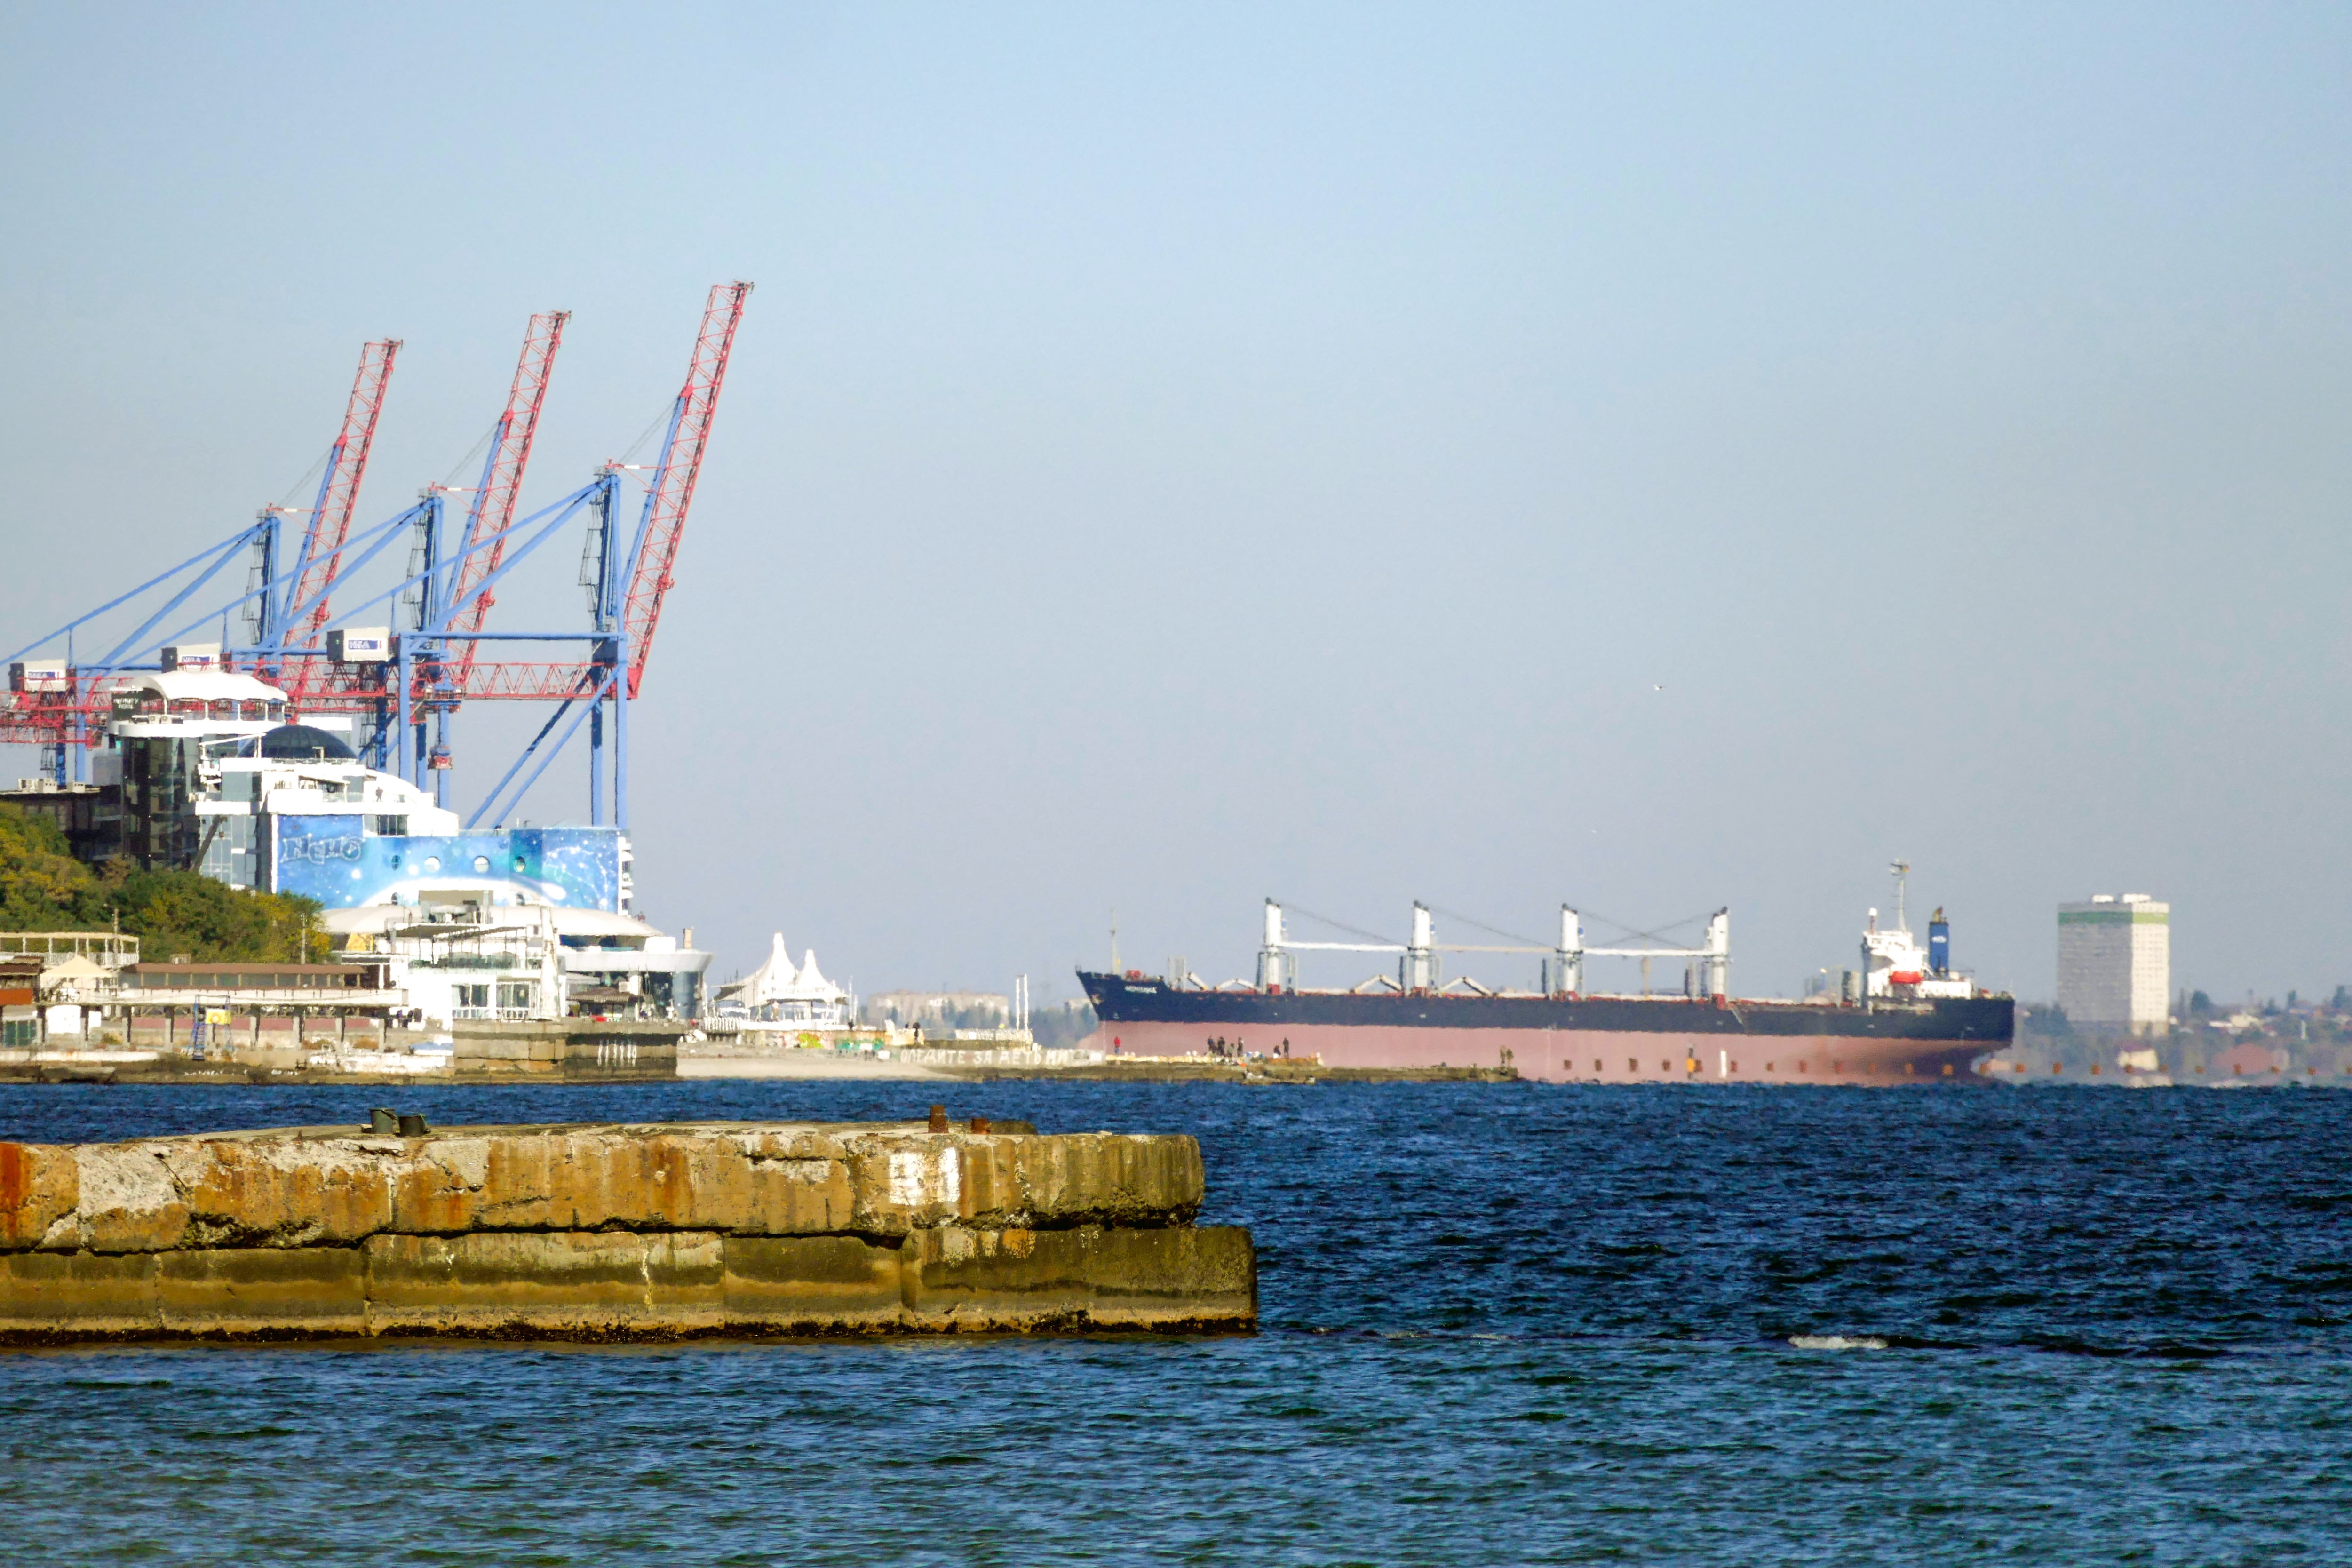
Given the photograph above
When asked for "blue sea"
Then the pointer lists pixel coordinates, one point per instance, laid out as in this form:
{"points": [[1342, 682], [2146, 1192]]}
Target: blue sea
{"points": [[1503, 1324]]}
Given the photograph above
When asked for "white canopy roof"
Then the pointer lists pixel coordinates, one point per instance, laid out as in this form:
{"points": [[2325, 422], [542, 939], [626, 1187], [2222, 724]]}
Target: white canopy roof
{"points": [[75, 967], [209, 685], [779, 980]]}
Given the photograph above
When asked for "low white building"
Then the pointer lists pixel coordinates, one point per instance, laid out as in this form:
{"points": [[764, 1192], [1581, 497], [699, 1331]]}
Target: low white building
{"points": [[463, 954], [617, 963]]}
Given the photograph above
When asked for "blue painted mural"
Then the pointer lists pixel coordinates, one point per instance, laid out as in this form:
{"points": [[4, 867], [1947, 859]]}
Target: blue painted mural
{"points": [[329, 859]]}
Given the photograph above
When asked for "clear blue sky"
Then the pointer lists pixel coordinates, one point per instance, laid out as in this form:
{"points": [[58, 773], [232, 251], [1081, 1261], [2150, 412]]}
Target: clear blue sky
{"points": [[1180, 454]]}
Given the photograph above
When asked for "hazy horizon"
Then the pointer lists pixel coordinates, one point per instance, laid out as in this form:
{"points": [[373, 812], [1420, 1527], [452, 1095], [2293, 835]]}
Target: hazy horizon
{"points": [[1652, 461]]}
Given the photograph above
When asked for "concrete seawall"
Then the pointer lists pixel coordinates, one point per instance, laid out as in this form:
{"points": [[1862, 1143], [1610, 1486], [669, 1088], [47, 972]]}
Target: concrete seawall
{"points": [[613, 1232]]}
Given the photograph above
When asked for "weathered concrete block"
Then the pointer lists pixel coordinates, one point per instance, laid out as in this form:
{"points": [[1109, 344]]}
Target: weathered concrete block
{"points": [[263, 1290], [1175, 1277], [999, 1278], [128, 1202], [811, 1284], [39, 1185], [903, 1182], [274, 1192], [438, 1190], [615, 1231], [500, 1051], [910, 1181], [66, 1294], [596, 1179], [591, 1285], [763, 1184]]}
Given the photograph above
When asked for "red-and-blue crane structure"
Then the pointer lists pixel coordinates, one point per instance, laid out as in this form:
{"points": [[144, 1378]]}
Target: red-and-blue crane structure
{"points": [[439, 664], [304, 611]]}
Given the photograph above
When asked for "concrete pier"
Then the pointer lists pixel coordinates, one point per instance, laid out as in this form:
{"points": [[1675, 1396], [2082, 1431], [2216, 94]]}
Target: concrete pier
{"points": [[613, 1232], [570, 1048]]}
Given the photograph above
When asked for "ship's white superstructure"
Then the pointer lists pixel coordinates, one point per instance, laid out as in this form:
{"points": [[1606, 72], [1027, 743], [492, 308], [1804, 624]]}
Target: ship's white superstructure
{"points": [[1894, 965]]}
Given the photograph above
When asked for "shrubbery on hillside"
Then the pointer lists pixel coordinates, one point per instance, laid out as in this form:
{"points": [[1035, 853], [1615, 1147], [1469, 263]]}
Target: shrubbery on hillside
{"points": [[44, 888]]}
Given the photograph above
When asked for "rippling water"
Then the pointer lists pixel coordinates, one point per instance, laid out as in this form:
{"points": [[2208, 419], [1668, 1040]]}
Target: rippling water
{"points": [[1501, 1325]]}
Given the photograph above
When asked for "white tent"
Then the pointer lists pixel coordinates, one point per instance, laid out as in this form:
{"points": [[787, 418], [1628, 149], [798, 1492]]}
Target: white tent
{"points": [[812, 986], [76, 970], [769, 981], [779, 980]]}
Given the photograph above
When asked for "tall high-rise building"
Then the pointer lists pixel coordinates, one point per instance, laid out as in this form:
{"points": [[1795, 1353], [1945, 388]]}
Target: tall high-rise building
{"points": [[2115, 963]]}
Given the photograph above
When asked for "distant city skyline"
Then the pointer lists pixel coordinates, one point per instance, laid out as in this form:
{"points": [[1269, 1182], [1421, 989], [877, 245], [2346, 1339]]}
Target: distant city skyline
{"points": [[1649, 461]]}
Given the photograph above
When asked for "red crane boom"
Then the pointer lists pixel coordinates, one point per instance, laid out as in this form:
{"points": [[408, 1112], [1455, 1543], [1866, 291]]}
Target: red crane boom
{"points": [[494, 503], [331, 519], [673, 485]]}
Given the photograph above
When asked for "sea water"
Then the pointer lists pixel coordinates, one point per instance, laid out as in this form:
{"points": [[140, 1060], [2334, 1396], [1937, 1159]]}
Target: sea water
{"points": [[1502, 1324]]}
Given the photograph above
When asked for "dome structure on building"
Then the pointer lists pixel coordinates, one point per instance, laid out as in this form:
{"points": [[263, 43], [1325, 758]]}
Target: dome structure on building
{"points": [[301, 743]]}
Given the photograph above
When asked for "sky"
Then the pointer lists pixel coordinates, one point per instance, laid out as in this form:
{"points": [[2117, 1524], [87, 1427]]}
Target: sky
{"points": [[1647, 459]]}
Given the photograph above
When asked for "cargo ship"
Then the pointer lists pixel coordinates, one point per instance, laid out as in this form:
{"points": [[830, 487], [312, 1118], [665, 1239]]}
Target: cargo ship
{"points": [[1904, 1017]]}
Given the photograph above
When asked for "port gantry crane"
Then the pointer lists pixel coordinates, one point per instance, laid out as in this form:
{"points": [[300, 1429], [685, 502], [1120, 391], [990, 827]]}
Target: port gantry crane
{"points": [[59, 705], [303, 614], [437, 665], [483, 550]]}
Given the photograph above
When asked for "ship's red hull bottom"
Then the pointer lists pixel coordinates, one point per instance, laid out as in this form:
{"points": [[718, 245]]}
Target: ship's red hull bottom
{"points": [[1578, 1056]]}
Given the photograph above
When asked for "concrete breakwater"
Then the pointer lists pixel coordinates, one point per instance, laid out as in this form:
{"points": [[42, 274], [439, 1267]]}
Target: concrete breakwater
{"points": [[575, 1050], [613, 1232]]}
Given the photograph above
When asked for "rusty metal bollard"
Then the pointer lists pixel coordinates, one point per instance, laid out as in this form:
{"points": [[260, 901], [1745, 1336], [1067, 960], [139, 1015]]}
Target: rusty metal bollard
{"points": [[980, 1124], [938, 1117]]}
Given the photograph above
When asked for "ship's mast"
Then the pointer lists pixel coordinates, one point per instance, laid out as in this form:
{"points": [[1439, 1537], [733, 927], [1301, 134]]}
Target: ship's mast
{"points": [[1901, 869]]}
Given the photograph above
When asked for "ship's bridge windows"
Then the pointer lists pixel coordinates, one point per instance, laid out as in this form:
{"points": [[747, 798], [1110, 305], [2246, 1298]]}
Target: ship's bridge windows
{"points": [[188, 707], [253, 708]]}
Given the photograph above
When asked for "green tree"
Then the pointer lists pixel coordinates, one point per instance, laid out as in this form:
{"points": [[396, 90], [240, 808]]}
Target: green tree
{"points": [[44, 888], [41, 884]]}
